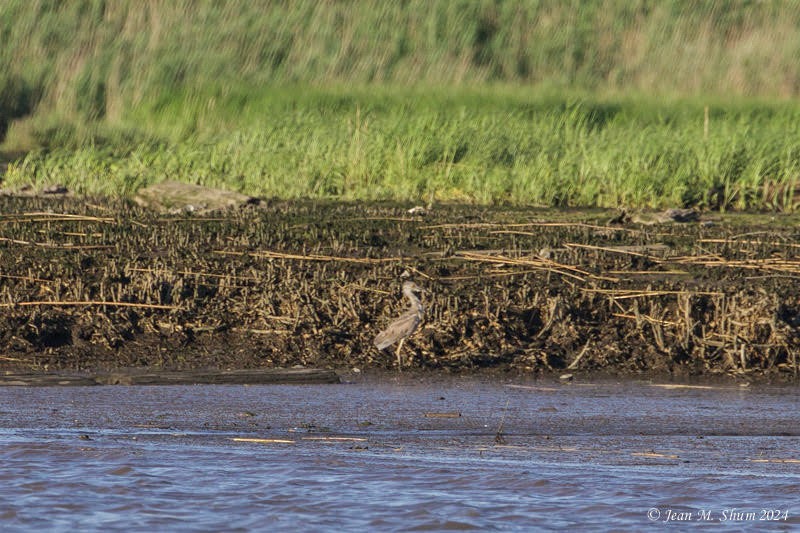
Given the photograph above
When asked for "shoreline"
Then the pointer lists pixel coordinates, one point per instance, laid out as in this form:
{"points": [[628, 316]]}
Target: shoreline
{"points": [[345, 376], [99, 285]]}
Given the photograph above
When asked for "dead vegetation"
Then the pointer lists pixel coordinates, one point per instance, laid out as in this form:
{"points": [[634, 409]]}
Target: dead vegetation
{"points": [[101, 285]]}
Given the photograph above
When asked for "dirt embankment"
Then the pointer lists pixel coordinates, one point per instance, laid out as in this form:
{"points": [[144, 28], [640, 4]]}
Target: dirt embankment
{"points": [[96, 285]]}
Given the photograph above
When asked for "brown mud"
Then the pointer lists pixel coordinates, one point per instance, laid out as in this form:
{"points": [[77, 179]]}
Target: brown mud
{"points": [[102, 285]]}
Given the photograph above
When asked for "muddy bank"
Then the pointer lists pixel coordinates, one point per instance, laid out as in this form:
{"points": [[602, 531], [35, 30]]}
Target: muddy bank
{"points": [[277, 376], [93, 284]]}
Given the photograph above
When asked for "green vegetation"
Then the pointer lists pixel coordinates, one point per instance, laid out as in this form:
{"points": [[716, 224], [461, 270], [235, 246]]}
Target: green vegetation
{"points": [[597, 103], [494, 146]]}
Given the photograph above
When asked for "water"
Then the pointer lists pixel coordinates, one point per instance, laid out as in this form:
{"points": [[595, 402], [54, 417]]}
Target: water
{"points": [[390, 454]]}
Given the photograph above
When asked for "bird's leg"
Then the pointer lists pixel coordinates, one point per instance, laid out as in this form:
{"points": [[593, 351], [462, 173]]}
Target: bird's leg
{"points": [[399, 355]]}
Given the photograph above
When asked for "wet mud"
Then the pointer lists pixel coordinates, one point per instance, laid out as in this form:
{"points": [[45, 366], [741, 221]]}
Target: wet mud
{"points": [[97, 284]]}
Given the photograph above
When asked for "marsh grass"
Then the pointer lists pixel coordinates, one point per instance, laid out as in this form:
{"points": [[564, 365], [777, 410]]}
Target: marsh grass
{"points": [[98, 58], [489, 102], [493, 145]]}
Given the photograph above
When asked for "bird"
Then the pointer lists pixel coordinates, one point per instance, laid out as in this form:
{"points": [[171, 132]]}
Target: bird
{"points": [[406, 324]]}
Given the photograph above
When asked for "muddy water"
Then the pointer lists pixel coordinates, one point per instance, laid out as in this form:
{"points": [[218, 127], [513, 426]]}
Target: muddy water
{"points": [[393, 454]]}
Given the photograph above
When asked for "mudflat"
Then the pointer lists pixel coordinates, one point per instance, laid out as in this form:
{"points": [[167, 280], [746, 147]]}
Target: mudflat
{"points": [[99, 285]]}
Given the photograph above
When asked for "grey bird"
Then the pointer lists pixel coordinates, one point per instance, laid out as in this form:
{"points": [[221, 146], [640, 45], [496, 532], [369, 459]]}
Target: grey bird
{"points": [[406, 324]]}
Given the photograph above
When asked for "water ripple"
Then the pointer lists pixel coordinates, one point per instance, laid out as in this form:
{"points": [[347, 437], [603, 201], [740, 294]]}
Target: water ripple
{"points": [[97, 462]]}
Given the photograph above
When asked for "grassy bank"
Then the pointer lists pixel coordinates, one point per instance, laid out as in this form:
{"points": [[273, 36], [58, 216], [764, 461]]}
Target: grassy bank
{"points": [[484, 146], [485, 102]]}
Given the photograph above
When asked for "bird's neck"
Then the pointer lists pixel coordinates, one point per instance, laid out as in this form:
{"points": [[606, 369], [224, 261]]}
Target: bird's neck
{"points": [[412, 298]]}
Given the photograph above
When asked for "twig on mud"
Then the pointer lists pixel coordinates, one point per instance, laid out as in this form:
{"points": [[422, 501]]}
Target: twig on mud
{"points": [[447, 414], [627, 250], [54, 217], [16, 241], [624, 294], [193, 219], [649, 272], [359, 287], [648, 318], [541, 264], [59, 246], [191, 273], [555, 314], [490, 275], [313, 257], [773, 264], [387, 219], [761, 243], [263, 331], [499, 438], [284, 319], [26, 278], [573, 365], [479, 225], [92, 303], [262, 441]]}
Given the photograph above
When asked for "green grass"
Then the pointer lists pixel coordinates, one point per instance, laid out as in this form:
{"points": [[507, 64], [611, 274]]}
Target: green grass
{"points": [[499, 145], [98, 58], [567, 103]]}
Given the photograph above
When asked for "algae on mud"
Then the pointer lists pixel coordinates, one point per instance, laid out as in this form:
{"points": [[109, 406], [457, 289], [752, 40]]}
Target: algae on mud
{"points": [[100, 284]]}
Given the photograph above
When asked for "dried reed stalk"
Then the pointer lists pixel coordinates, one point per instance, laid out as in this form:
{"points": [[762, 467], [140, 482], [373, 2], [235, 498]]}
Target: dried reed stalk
{"points": [[768, 243], [647, 318], [539, 264], [90, 303], [191, 273], [55, 217], [627, 250], [479, 225], [622, 294], [313, 257], [59, 246], [649, 272], [26, 278], [263, 331]]}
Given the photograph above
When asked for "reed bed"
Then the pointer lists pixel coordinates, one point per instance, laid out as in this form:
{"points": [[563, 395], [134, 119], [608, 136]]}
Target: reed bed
{"points": [[500, 146], [603, 103], [311, 283]]}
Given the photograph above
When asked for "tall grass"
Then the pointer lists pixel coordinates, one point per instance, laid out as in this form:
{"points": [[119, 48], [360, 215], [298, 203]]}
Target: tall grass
{"points": [[481, 101], [498, 146], [101, 57]]}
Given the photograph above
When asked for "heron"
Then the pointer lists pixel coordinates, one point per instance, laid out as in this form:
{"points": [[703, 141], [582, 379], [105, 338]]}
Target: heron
{"points": [[406, 324]]}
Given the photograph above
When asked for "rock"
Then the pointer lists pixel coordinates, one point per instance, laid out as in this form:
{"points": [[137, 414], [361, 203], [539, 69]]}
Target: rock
{"points": [[668, 216], [682, 215], [55, 189], [622, 217], [176, 197]]}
